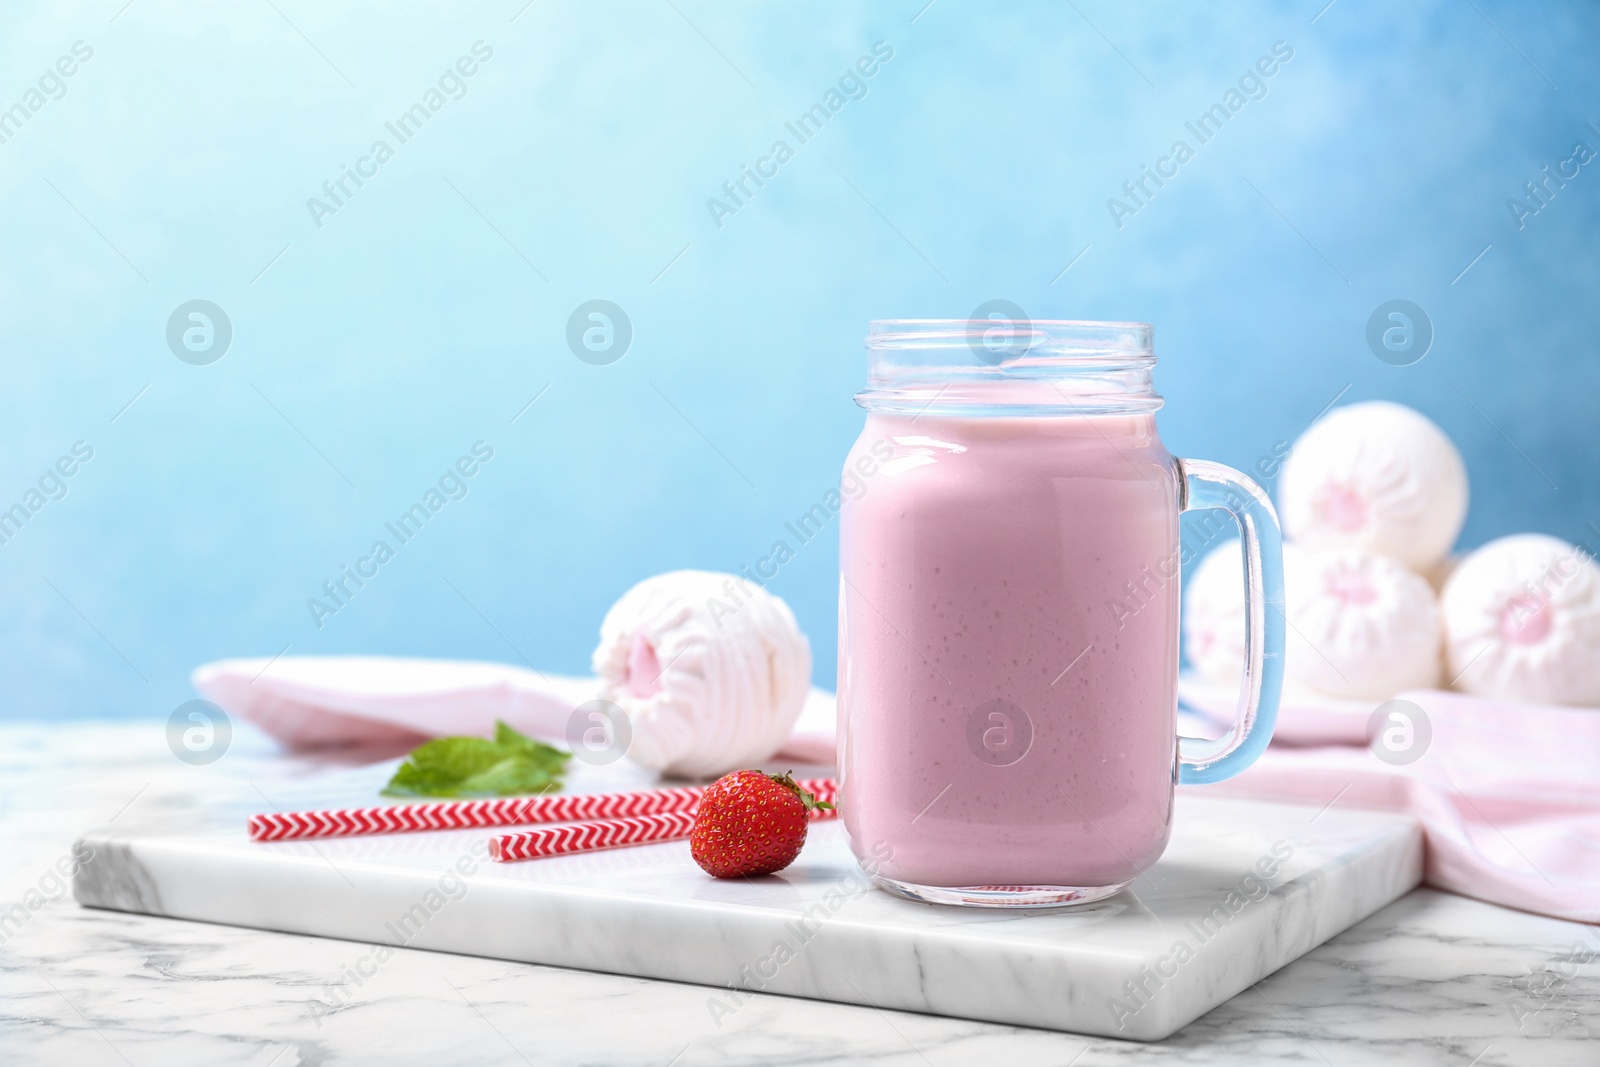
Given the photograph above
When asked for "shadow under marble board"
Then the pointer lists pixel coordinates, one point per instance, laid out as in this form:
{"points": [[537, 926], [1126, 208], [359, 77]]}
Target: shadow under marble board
{"points": [[1243, 889]]}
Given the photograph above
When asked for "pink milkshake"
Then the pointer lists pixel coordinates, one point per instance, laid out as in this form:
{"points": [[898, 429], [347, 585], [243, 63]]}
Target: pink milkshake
{"points": [[1008, 650]]}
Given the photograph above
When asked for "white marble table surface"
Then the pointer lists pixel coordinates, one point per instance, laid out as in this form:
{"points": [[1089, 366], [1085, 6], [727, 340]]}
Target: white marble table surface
{"points": [[1432, 979]]}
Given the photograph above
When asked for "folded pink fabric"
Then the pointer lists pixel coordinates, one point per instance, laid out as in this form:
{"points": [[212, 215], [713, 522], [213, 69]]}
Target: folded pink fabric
{"points": [[379, 702], [310, 702], [1508, 794]]}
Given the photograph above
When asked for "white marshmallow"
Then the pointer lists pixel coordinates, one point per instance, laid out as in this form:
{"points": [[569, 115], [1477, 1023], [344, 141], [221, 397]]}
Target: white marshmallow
{"points": [[1213, 614], [1213, 619], [710, 669], [1522, 621], [1379, 477], [1364, 626]]}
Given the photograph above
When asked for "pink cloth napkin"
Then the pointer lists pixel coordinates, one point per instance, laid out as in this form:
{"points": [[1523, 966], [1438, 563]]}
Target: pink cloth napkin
{"points": [[1508, 794], [361, 702], [310, 702]]}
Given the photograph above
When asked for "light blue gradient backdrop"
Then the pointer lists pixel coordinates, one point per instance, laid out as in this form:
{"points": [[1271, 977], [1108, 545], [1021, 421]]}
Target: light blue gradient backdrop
{"points": [[415, 321]]}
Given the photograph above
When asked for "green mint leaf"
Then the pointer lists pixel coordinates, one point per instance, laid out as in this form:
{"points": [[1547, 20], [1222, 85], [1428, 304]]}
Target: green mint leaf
{"points": [[509, 777], [511, 764], [508, 738]]}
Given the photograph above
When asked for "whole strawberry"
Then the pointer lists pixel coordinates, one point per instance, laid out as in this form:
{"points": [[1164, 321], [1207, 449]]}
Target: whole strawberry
{"points": [[750, 823]]}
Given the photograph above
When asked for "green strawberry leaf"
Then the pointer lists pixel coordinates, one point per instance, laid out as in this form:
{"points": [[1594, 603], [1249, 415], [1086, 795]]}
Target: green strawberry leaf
{"points": [[808, 799]]}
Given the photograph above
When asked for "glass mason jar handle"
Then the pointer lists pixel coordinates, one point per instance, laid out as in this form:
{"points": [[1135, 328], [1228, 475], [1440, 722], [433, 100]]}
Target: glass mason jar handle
{"points": [[1211, 485]]}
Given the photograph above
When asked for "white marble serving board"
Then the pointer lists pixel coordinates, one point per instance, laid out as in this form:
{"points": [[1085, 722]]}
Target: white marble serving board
{"points": [[1191, 933]]}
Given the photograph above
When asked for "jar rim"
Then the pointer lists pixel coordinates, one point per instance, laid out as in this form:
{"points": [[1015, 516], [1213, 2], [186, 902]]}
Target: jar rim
{"points": [[1010, 366], [1077, 338], [1041, 322]]}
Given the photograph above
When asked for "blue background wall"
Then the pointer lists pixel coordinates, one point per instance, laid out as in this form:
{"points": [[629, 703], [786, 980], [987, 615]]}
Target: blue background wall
{"points": [[427, 312]]}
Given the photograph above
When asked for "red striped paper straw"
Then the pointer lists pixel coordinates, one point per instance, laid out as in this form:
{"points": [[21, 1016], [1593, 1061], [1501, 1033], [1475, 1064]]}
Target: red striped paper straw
{"points": [[602, 834], [496, 811], [592, 836]]}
